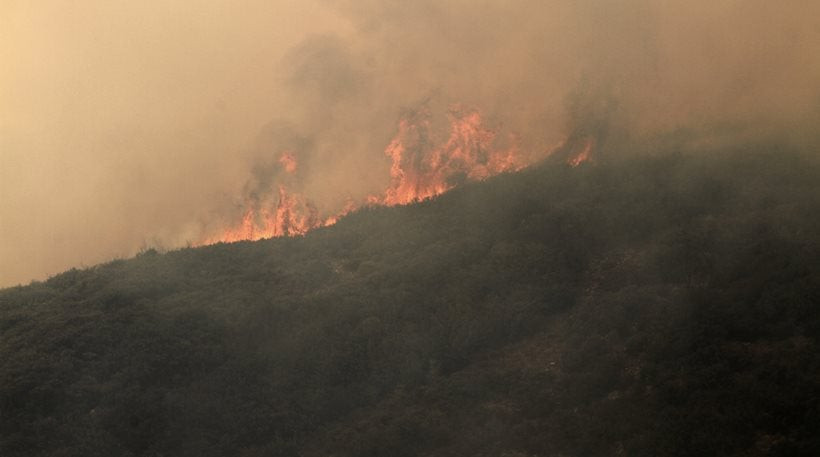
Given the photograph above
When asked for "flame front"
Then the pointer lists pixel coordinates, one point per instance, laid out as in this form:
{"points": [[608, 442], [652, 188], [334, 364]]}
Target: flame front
{"points": [[422, 166], [421, 169]]}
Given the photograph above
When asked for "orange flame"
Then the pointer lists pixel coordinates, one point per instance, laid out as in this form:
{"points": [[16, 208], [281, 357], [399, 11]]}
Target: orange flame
{"points": [[288, 162], [583, 156], [421, 168]]}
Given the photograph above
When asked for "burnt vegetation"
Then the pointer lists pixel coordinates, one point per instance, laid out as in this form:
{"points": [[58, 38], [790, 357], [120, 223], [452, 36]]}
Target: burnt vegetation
{"points": [[657, 305]]}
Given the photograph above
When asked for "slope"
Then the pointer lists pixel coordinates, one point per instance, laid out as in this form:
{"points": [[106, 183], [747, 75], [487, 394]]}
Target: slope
{"points": [[661, 305]]}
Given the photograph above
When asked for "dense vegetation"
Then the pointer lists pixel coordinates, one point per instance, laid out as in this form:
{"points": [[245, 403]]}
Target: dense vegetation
{"points": [[640, 306]]}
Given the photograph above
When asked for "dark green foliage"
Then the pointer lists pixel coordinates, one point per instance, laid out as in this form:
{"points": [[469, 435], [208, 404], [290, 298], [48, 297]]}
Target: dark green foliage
{"points": [[640, 306]]}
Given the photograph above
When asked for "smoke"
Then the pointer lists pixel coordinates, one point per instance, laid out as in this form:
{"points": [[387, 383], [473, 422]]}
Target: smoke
{"points": [[132, 124]]}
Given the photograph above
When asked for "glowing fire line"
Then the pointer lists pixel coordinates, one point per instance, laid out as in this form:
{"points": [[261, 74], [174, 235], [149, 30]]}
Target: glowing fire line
{"points": [[419, 170]]}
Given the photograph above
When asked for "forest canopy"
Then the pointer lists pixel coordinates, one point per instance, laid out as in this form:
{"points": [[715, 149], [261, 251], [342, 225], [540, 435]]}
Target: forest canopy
{"points": [[654, 304]]}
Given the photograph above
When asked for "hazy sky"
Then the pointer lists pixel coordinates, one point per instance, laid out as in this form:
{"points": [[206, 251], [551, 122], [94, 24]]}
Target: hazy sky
{"points": [[121, 120], [128, 124]]}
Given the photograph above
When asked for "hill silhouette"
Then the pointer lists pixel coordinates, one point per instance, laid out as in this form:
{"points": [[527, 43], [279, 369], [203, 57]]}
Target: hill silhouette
{"points": [[655, 305]]}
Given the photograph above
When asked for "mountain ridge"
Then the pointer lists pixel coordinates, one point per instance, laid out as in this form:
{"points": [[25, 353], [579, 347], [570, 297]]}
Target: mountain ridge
{"points": [[661, 305]]}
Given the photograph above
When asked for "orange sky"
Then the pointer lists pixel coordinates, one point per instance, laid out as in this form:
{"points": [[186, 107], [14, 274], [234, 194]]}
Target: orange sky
{"points": [[115, 115], [130, 124]]}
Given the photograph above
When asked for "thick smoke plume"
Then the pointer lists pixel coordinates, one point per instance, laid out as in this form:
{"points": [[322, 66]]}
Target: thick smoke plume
{"points": [[124, 126]]}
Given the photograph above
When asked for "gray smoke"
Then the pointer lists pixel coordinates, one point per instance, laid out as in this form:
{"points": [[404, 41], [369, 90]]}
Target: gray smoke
{"points": [[132, 125]]}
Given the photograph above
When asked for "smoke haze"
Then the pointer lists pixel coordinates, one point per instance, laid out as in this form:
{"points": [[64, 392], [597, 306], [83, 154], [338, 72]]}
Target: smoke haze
{"points": [[125, 125]]}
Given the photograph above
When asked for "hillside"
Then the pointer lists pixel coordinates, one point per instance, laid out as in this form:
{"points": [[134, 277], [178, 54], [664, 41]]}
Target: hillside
{"points": [[663, 305]]}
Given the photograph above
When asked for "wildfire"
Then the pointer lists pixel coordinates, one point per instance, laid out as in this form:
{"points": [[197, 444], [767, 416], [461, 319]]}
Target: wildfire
{"points": [[583, 155], [421, 170], [288, 162], [293, 215], [422, 166]]}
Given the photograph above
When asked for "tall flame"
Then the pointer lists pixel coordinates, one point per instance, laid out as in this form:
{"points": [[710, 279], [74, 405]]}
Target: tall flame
{"points": [[421, 167]]}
